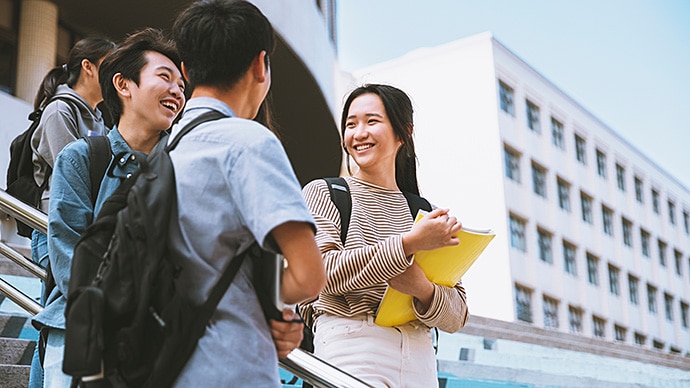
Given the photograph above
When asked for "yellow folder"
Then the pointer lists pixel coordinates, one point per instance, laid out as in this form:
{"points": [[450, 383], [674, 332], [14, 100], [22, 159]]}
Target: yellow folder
{"points": [[444, 266]]}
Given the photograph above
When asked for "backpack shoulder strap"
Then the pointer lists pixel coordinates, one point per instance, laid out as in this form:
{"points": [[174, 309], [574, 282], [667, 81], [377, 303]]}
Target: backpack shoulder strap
{"points": [[204, 117], [340, 195], [99, 158], [415, 203]]}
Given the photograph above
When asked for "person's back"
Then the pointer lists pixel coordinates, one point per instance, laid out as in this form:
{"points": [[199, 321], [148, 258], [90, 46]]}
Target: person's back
{"points": [[235, 185]]}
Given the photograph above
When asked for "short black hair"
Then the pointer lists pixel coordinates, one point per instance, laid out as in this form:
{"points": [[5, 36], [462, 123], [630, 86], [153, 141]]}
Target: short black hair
{"points": [[128, 59], [219, 39]]}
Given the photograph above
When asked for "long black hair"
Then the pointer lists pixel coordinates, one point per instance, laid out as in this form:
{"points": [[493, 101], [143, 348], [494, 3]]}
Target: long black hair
{"points": [[92, 49], [399, 111]]}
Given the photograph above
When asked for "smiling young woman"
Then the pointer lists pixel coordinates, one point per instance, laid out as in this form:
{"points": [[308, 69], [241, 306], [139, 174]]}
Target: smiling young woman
{"points": [[377, 131]]}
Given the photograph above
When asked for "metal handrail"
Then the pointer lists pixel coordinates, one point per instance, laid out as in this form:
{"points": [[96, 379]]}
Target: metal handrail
{"points": [[318, 372], [19, 298], [23, 212], [22, 261], [302, 364]]}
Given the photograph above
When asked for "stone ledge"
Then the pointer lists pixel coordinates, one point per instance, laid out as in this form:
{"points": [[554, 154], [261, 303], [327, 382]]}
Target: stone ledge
{"points": [[526, 333]]}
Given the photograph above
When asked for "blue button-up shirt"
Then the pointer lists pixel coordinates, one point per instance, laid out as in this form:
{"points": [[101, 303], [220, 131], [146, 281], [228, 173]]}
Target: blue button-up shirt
{"points": [[71, 211]]}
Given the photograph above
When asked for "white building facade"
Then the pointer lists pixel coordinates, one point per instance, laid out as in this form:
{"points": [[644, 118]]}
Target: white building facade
{"points": [[592, 237]]}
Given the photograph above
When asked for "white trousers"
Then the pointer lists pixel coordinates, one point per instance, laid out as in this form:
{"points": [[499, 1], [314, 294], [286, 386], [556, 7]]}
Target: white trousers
{"points": [[394, 357]]}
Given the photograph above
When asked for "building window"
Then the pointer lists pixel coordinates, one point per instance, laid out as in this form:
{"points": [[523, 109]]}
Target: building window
{"points": [[539, 180], [627, 232], [655, 201], [620, 177], [598, 327], [633, 289], [671, 212], [550, 313], [686, 222], [563, 194], [658, 344], [620, 332], [607, 220], [512, 160], [580, 149], [517, 233], [662, 252], [586, 205], [557, 134], [574, 319], [644, 242], [523, 303], [639, 190], [506, 94], [601, 164], [569, 258], [533, 117], [544, 242], [651, 298], [684, 314], [614, 286], [679, 262], [668, 306], [592, 269], [640, 339]]}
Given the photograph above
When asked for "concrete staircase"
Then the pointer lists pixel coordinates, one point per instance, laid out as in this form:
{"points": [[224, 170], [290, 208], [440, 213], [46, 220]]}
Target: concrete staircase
{"points": [[16, 350]]}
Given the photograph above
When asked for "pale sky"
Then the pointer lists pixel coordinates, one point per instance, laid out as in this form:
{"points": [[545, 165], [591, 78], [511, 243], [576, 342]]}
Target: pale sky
{"points": [[626, 61]]}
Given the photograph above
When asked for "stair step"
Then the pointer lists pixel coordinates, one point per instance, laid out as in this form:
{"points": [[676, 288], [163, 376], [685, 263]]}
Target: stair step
{"points": [[16, 351], [14, 376]]}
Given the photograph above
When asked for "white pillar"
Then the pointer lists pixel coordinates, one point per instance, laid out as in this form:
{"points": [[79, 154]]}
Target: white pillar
{"points": [[37, 45]]}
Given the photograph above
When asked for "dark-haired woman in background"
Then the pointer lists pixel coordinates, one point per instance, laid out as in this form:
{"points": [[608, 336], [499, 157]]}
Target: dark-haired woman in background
{"points": [[68, 97], [377, 131]]}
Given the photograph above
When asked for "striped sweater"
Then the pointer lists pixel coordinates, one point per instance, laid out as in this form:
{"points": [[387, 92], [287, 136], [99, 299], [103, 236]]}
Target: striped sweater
{"points": [[373, 253]]}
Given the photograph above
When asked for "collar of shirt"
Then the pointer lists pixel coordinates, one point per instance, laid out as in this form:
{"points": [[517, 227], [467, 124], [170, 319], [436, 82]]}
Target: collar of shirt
{"points": [[125, 158], [197, 106]]}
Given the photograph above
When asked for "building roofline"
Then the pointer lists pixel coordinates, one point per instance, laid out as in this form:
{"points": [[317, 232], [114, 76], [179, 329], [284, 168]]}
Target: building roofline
{"points": [[522, 62]]}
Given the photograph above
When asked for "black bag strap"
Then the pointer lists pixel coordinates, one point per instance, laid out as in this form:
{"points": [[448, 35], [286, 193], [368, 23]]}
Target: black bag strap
{"points": [[340, 195], [100, 157], [416, 203], [207, 116]]}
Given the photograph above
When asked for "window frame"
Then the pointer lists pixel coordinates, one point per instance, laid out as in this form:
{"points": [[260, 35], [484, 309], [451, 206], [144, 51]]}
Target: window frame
{"points": [[545, 245], [506, 97], [563, 189], [570, 258], [580, 149], [614, 280], [592, 269], [601, 163], [633, 289], [620, 177], [557, 133], [512, 164], [533, 122], [523, 304], [519, 242], [586, 203]]}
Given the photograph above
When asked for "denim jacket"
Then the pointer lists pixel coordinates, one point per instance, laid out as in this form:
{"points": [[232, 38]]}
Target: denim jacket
{"points": [[71, 212]]}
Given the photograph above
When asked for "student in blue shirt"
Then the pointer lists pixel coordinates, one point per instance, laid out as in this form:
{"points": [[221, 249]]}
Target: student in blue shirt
{"points": [[144, 90]]}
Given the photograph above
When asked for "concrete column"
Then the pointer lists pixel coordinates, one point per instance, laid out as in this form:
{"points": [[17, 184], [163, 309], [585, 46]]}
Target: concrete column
{"points": [[37, 45]]}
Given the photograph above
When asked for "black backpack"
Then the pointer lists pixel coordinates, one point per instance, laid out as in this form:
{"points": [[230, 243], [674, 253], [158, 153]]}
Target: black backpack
{"points": [[126, 315], [20, 172]]}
